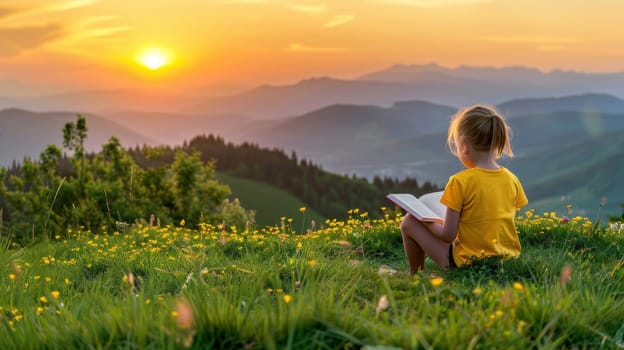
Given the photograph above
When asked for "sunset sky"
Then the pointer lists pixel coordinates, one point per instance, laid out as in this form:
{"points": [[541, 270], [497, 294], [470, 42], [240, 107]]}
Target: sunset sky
{"points": [[99, 43]]}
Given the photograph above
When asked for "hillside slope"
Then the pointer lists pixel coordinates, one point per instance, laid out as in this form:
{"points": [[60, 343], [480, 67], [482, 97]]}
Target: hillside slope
{"points": [[580, 172], [269, 202]]}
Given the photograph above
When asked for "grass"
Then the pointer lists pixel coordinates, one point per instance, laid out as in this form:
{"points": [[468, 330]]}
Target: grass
{"points": [[269, 202], [276, 288]]}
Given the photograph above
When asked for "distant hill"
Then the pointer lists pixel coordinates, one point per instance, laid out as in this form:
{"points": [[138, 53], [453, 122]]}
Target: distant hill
{"points": [[279, 102], [106, 101], [103, 101], [460, 86], [409, 139], [370, 140], [579, 172], [518, 80], [372, 134], [408, 73], [586, 103], [443, 85], [550, 130], [340, 130], [25, 133], [175, 128], [269, 202]]}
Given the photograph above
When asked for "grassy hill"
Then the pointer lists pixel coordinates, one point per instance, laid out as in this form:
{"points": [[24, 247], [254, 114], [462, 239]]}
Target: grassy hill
{"points": [[269, 202], [345, 287], [579, 172]]}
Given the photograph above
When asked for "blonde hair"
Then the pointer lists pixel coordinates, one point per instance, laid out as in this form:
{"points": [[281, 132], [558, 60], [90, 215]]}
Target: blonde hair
{"points": [[483, 128]]}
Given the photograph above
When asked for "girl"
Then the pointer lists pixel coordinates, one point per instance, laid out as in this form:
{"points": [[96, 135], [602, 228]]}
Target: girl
{"points": [[481, 200]]}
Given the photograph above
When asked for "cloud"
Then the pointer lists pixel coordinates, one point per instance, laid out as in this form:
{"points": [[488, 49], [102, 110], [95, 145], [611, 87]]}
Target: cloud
{"points": [[96, 19], [537, 39], [310, 9], [543, 43], [244, 1], [434, 3], [68, 5], [14, 40], [94, 27], [303, 48], [106, 32], [550, 48], [339, 20], [56, 7], [7, 11]]}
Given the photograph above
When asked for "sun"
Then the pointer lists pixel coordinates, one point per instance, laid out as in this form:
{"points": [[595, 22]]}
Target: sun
{"points": [[154, 58]]}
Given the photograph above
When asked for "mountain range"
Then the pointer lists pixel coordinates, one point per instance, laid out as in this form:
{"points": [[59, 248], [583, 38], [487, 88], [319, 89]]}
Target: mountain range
{"points": [[454, 87], [442, 85], [390, 122]]}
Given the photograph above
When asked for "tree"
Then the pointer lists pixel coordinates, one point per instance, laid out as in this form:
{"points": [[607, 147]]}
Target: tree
{"points": [[74, 136], [196, 194]]}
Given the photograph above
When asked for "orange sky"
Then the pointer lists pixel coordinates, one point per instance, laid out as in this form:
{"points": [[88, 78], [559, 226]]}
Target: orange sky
{"points": [[78, 43]]}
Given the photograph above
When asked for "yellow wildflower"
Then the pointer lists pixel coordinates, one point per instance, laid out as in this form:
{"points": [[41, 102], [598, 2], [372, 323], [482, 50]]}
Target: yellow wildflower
{"points": [[436, 281], [302, 210], [287, 298]]}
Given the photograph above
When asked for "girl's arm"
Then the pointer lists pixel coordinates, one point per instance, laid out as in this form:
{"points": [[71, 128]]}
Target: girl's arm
{"points": [[448, 231]]}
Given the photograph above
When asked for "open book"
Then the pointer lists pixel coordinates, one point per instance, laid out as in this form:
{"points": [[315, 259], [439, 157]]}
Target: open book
{"points": [[425, 208]]}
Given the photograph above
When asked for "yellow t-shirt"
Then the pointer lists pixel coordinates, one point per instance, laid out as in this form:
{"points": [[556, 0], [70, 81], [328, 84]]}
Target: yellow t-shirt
{"points": [[487, 201]]}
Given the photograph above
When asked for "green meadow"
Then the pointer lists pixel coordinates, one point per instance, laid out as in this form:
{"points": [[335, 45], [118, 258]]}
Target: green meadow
{"points": [[341, 285], [270, 203]]}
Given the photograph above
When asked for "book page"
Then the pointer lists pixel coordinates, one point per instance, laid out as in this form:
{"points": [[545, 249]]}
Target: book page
{"points": [[415, 207], [432, 200]]}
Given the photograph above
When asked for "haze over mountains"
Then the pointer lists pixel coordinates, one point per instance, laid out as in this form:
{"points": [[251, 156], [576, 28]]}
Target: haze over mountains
{"points": [[454, 87], [25, 133], [390, 122]]}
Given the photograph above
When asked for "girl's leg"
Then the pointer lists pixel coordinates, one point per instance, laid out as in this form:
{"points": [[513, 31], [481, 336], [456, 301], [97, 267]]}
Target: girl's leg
{"points": [[419, 242], [414, 253]]}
